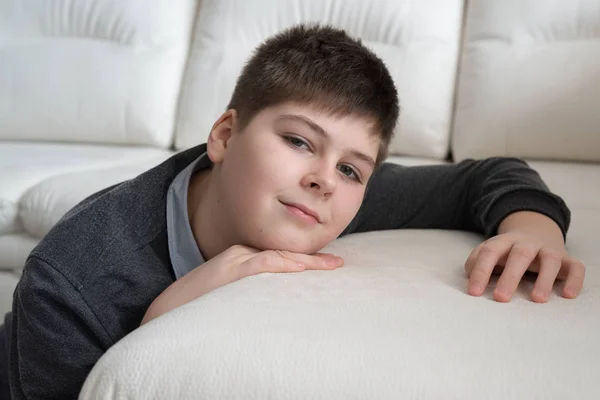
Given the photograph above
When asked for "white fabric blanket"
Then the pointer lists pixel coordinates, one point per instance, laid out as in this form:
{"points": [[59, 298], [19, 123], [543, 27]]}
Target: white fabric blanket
{"points": [[393, 323]]}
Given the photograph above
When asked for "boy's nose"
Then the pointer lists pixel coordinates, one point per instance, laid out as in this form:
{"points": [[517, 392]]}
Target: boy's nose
{"points": [[322, 182]]}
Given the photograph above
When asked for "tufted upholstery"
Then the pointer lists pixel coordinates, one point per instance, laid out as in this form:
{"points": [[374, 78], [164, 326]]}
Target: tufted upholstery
{"points": [[92, 71], [529, 81], [418, 41]]}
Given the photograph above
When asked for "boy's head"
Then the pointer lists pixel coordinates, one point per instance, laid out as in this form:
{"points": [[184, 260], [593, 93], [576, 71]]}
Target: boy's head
{"points": [[322, 67], [311, 117]]}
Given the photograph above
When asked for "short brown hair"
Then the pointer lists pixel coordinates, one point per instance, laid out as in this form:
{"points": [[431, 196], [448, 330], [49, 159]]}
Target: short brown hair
{"points": [[321, 66]]}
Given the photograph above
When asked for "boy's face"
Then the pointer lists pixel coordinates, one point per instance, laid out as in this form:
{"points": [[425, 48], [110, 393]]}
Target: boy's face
{"points": [[294, 178]]}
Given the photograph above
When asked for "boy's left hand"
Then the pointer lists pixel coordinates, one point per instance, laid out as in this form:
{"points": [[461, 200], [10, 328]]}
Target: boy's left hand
{"points": [[514, 252]]}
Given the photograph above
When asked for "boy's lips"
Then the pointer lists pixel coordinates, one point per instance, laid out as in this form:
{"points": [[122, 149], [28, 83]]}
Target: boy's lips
{"points": [[302, 211]]}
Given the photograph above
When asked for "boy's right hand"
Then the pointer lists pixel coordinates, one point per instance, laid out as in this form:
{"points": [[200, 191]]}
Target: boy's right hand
{"points": [[243, 261], [235, 263]]}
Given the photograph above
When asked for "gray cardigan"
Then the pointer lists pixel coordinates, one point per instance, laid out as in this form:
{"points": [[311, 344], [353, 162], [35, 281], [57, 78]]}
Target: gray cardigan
{"points": [[91, 279]]}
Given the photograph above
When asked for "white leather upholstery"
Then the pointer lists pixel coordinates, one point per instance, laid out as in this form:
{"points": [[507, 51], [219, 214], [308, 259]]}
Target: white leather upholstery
{"points": [[92, 71], [529, 81], [412, 161], [14, 249], [418, 40], [45, 203], [577, 183], [394, 322], [26, 164]]}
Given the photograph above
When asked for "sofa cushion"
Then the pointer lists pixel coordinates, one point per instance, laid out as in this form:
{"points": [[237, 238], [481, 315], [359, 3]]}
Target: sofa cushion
{"points": [[414, 161], [577, 183], [25, 165], [92, 71], [394, 321], [14, 249], [529, 81], [417, 40], [46, 202]]}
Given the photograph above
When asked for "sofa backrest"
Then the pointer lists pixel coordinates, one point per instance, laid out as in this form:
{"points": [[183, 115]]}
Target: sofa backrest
{"points": [[529, 83], [92, 71], [418, 40], [160, 73]]}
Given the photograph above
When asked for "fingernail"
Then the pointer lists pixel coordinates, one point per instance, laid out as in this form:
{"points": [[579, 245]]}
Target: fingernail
{"points": [[538, 296], [501, 296], [333, 260], [476, 288], [300, 265]]}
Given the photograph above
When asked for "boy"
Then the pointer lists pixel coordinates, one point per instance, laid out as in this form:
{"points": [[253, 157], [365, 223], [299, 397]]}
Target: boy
{"points": [[294, 162]]}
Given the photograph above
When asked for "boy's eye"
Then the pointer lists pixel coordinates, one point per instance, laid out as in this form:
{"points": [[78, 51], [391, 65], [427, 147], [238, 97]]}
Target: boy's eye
{"points": [[348, 171], [296, 142]]}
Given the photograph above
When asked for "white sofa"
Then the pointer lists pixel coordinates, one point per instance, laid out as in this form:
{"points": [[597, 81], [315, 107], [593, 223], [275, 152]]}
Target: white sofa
{"points": [[95, 92]]}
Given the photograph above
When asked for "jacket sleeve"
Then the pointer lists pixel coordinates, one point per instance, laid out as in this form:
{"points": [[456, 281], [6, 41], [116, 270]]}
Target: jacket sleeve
{"points": [[55, 338], [473, 195]]}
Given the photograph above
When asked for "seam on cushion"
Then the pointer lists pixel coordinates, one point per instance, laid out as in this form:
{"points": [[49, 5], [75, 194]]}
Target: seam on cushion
{"points": [[12, 223], [175, 126]]}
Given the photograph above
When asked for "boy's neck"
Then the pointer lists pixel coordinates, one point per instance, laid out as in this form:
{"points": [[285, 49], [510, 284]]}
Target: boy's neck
{"points": [[204, 216]]}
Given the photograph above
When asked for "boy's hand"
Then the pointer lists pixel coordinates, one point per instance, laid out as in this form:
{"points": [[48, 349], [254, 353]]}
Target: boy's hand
{"points": [[519, 250], [235, 263], [242, 261]]}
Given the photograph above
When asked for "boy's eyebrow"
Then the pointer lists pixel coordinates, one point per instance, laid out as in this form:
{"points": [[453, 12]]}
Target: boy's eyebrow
{"points": [[321, 132]]}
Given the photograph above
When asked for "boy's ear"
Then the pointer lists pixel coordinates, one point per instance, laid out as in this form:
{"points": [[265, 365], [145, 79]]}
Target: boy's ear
{"points": [[220, 134]]}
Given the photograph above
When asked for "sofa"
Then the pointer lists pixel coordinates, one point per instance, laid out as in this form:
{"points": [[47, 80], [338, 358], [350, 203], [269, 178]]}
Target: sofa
{"points": [[95, 92]]}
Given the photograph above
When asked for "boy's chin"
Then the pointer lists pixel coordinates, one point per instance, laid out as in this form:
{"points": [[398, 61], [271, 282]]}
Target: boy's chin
{"points": [[284, 242]]}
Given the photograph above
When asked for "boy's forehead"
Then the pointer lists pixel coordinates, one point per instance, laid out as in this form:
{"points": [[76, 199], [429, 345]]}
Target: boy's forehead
{"points": [[320, 114]]}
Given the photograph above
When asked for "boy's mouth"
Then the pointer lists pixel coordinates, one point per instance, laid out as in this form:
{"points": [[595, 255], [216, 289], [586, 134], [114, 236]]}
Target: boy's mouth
{"points": [[302, 212]]}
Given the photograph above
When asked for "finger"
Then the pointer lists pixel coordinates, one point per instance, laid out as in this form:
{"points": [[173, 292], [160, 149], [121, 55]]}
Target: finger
{"points": [[575, 278], [471, 260], [271, 261], [487, 258], [470, 263], [519, 259], [550, 264], [314, 261], [318, 261]]}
